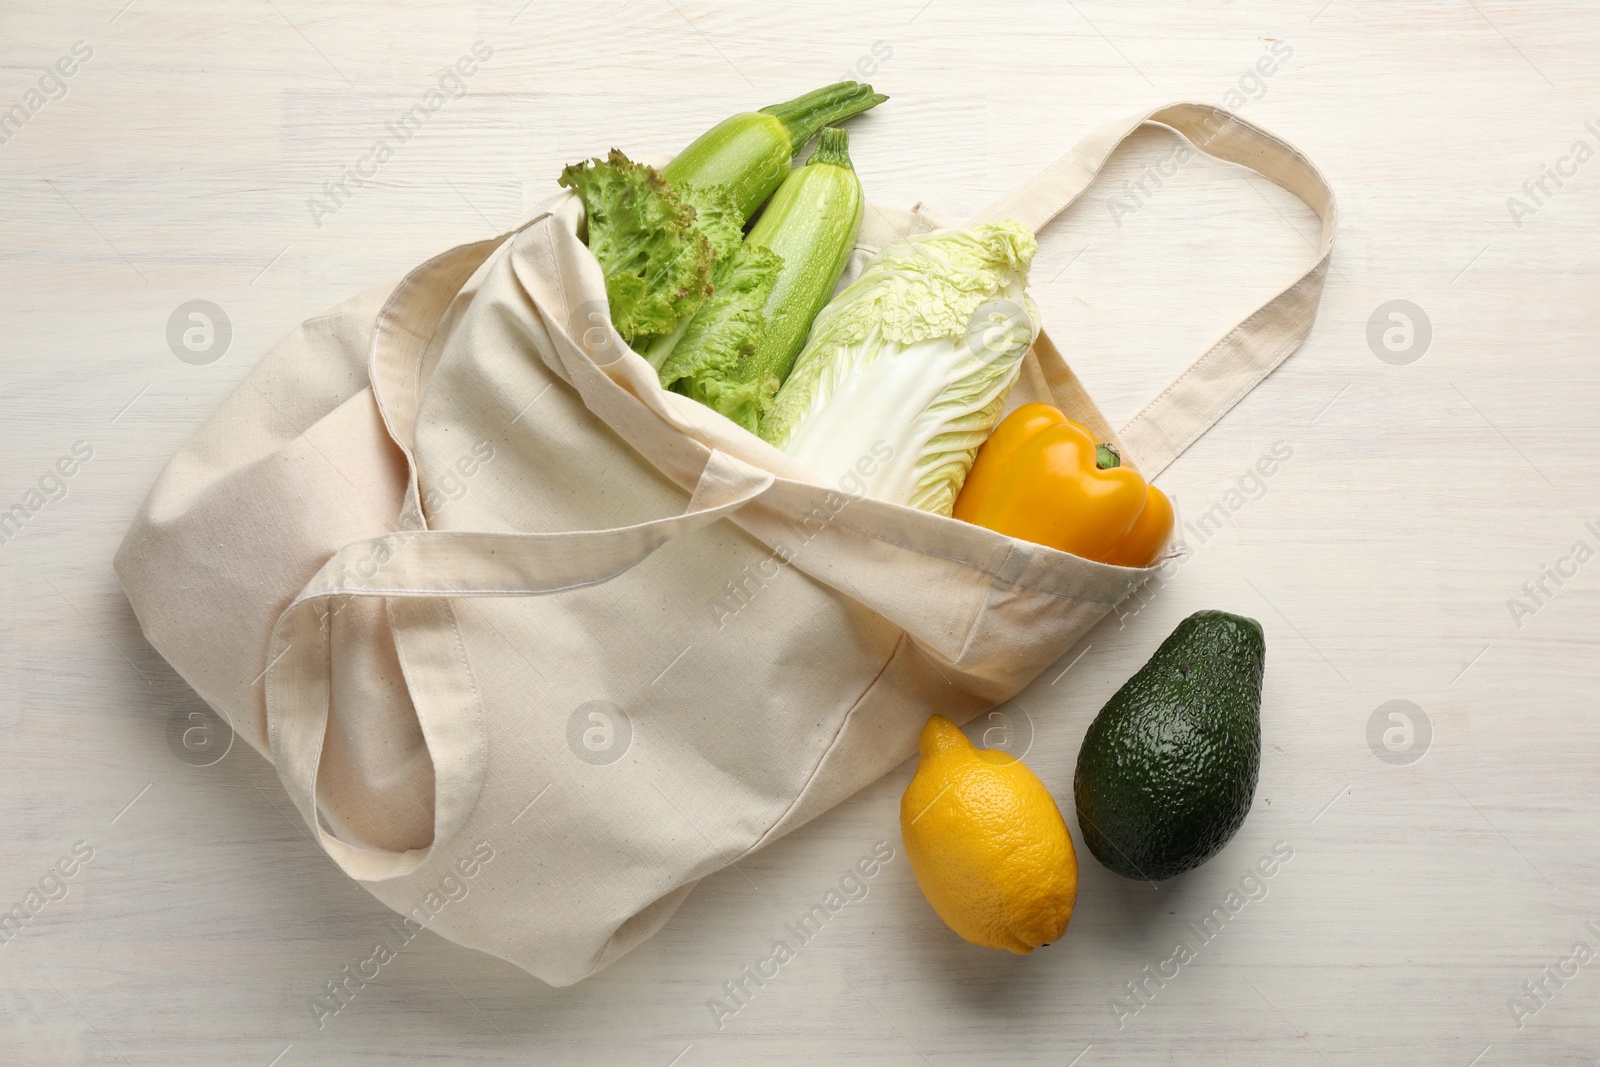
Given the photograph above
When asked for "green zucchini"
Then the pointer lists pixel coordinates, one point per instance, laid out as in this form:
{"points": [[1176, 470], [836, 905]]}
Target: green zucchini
{"points": [[741, 344], [748, 155], [812, 222]]}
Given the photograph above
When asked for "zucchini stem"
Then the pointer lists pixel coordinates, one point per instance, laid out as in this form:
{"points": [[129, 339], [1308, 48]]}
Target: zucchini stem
{"points": [[803, 116], [832, 147]]}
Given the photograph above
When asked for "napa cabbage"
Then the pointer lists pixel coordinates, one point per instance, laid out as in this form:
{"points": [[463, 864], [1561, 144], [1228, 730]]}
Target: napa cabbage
{"points": [[917, 355]]}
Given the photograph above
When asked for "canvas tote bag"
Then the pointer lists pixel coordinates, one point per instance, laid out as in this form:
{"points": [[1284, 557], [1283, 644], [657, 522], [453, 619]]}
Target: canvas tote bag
{"points": [[535, 645]]}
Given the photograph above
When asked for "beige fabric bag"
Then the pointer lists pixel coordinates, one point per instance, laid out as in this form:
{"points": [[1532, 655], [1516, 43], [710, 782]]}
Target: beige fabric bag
{"points": [[535, 645]]}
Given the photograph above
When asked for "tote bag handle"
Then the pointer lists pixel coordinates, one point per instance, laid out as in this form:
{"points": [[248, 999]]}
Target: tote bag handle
{"points": [[417, 571], [1221, 377]]}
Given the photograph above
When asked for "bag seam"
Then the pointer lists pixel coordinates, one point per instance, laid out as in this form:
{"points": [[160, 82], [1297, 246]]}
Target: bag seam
{"points": [[994, 578], [762, 838], [977, 612], [828, 749]]}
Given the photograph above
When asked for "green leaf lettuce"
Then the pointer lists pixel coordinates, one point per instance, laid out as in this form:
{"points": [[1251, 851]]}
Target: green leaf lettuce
{"points": [[657, 259], [711, 360]]}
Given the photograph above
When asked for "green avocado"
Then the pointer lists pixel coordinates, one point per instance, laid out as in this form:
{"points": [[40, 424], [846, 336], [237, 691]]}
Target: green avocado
{"points": [[1169, 766]]}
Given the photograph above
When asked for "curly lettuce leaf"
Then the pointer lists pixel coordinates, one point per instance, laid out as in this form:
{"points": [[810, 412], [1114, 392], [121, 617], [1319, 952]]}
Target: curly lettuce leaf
{"points": [[656, 259], [914, 361], [713, 362], [718, 216]]}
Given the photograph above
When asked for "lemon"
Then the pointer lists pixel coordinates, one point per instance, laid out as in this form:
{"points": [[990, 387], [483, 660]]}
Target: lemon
{"points": [[987, 843]]}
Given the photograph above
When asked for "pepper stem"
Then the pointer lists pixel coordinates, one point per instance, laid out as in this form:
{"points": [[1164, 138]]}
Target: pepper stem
{"points": [[833, 147], [805, 115], [1105, 457]]}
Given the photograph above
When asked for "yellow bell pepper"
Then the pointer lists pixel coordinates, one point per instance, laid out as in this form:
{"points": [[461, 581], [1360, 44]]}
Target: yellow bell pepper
{"points": [[1041, 477]]}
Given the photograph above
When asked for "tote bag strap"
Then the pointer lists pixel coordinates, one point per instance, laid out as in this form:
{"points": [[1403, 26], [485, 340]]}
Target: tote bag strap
{"points": [[417, 571], [1220, 378]]}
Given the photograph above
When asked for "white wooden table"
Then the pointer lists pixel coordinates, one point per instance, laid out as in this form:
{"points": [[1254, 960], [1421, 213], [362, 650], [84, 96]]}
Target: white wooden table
{"points": [[1429, 480]]}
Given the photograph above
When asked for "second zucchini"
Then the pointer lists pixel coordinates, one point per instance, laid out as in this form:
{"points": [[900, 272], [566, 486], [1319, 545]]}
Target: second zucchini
{"points": [[742, 344]]}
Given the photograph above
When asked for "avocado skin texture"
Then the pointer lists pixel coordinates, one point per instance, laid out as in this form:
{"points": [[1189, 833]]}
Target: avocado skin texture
{"points": [[1168, 768]]}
